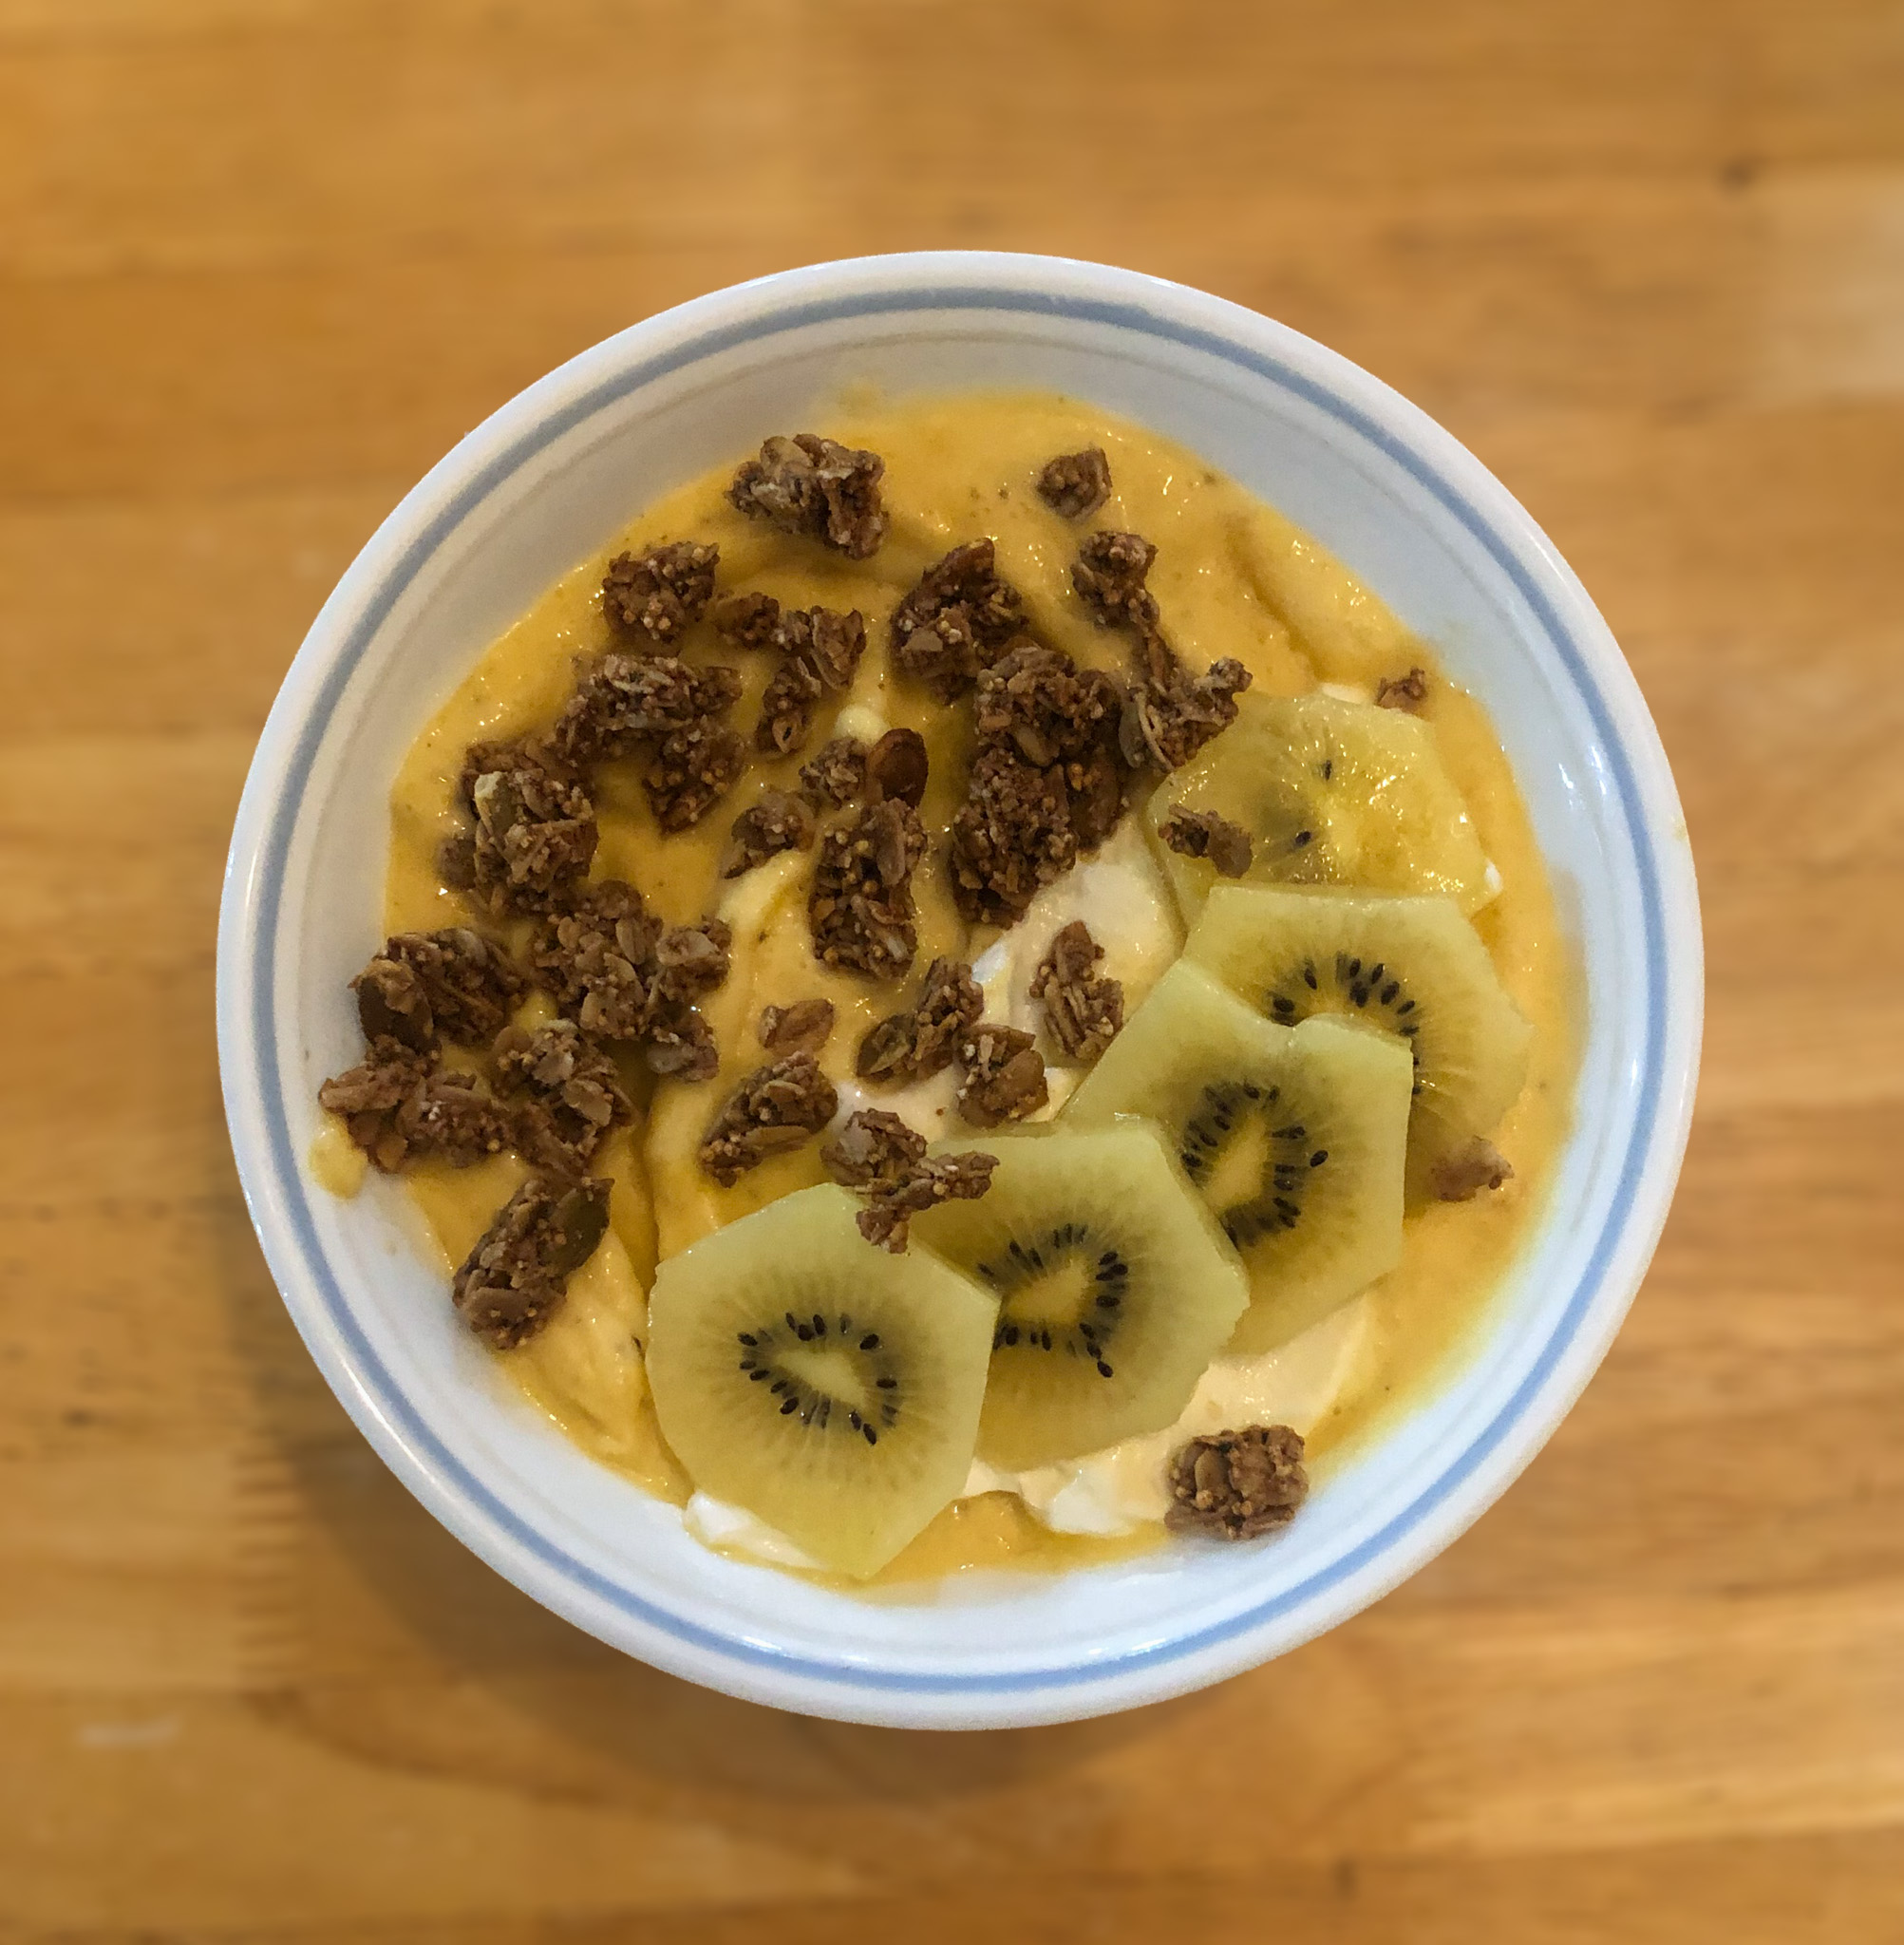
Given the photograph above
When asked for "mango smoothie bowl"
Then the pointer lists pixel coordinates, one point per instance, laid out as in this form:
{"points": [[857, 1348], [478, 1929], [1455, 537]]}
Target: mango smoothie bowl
{"points": [[911, 1002]]}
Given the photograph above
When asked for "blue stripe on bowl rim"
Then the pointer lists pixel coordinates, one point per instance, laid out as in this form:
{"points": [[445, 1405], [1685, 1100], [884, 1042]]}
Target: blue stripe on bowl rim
{"points": [[369, 1368]]}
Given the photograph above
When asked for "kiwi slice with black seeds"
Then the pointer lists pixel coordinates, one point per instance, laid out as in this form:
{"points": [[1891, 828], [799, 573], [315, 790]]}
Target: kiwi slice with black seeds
{"points": [[827, 1386], [1296, 1138], [1115, 1288], [1412, 967]]}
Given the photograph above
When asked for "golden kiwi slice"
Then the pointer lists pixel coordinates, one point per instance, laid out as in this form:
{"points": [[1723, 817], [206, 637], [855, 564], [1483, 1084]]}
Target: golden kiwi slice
{"points": [[1296, 1138], [830, 1388], [1115, 1286], [1329, 792], [1412, 967]]}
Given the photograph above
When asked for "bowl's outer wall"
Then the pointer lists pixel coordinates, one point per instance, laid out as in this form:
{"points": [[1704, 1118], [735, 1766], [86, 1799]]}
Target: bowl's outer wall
{"points": [[556, 472]]}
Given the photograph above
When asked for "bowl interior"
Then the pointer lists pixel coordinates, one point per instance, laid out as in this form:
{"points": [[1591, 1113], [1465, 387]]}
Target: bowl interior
{"points": [[558, 473]]}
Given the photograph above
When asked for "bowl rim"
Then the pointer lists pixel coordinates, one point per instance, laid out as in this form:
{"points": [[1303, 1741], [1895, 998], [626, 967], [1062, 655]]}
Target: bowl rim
{"points": [[269, 1163]]}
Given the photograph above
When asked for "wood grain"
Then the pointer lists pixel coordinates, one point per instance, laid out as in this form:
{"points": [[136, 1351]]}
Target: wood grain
{"points": [[260, 262]]}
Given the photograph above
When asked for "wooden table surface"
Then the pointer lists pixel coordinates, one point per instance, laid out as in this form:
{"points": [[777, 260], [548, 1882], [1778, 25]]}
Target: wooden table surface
{"points": [[261, 262]]}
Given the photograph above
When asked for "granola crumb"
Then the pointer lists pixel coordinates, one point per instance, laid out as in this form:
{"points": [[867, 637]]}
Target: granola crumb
{"points": [[776, 821], [1203, 834], [1460, 1177], [924, 1038], [1237, 1484], [959, 619], [569, 1092], [1076, 483], [662, 593], [454, 985], [1407, 691], [1083, 1010], [815, 487], [804, 1027], [835, 777], [514, 1280], [1004, 1076], [860, 907], [887, 1219], [775, 1109]]}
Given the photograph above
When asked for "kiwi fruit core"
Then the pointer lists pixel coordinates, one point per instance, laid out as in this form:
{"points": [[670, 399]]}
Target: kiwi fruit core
{"points": [[1059, 1298], [825, 1373], [1250, 1162]]}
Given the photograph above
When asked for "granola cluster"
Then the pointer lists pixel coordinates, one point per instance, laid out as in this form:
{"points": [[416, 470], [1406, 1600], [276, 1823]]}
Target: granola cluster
{"points": [[1110, 577], [820, 650], [535, 822], [874, 1150], [1169, 719], [535, 832], [878, 1153], [1237, 1484], [817, 487], [887, 1218], [836, 775], [1083, 1009], [776, 821], [1203, 834], [514, 1278], [1004, 1076], [623, 975], [1048, 781], [925, 1037], [568, 1093], [399, 1105], [774, 1109], [959, 621], [1076, 483], [1171, 713], [860, 906], [423, 986], [660, 593]]}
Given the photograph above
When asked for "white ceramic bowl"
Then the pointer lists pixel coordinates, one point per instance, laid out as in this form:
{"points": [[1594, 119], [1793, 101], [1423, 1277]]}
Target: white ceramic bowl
{"points": [[554, 474]]}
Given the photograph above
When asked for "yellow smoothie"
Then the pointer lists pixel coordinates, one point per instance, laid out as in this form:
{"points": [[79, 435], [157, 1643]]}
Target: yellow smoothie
{"points": [[1233, 578]]}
